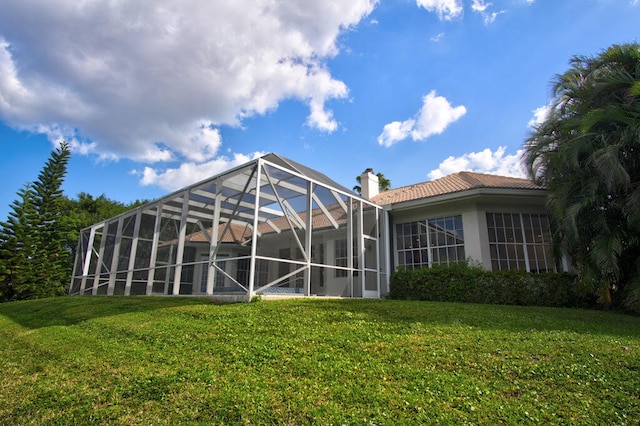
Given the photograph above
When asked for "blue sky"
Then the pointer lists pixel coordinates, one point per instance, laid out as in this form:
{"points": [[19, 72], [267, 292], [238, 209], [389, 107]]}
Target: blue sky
{"points": [[154, 95]]}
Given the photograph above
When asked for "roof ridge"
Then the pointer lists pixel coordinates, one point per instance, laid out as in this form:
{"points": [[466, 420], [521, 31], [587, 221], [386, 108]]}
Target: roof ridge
{"points": [[414, 185]]}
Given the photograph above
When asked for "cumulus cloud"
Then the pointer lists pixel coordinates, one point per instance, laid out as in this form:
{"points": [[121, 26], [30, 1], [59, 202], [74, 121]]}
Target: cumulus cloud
{"points": [[479, 5], [445, 9], [433, 118], [190, 172], [485, 161], [539, 115], [152, 80]]}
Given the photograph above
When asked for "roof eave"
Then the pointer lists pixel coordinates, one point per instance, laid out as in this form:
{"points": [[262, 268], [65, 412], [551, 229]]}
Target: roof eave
{"points": [[463, 196]]}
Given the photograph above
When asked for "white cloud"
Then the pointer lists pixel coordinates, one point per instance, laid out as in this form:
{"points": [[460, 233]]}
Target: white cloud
{"points": [[450, 9], [481, 7], [438, 37], [489, 18], [152, 80], [198, 141], [188, 173], [539, 115], [433, 118], [396, 131], [445, 9], [484, 161]]}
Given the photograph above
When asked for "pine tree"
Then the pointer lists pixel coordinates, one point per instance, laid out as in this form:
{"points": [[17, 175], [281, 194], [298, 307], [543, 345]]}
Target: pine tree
{"points": [[53, 260], [34, 260], [18, 245]]}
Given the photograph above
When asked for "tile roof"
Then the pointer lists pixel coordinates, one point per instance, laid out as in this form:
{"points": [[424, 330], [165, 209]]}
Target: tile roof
{"points": [[241, 233], [236, 233], [457, 182]]}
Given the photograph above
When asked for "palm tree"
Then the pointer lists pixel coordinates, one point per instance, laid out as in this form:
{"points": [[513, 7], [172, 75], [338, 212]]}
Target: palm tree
{"points": [[587, 153], [383, 183]]}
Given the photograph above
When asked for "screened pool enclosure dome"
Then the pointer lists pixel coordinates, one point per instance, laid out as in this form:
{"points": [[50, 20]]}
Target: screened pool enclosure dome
{"points": [[270, 226]]}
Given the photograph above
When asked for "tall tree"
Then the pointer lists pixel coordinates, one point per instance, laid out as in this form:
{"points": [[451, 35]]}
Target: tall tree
{"points": [[38, 240], [31, 241], [587, 153], [48, 198], [18, 245], [383, 183]]}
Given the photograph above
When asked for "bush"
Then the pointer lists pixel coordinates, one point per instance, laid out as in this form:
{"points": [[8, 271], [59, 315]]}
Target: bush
{"points": [[463, 283]]}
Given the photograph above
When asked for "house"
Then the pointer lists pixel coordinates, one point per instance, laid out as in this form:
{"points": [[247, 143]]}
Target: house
{"points": [[494, 221], [273, 226]]}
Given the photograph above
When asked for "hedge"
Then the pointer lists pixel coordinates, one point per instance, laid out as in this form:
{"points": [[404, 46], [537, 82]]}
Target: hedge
{"points": [[463, 283]]}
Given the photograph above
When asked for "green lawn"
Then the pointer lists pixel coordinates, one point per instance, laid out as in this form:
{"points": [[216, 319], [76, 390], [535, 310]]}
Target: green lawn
{"points": [[142, 360]]}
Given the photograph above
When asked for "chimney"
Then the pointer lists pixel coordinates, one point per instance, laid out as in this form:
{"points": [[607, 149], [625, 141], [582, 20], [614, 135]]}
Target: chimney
{"points": [[369, 184]]}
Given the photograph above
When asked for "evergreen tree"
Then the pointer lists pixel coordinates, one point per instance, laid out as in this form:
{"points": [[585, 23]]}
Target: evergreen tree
{"points": [[38, 240], [35, 261], [18, 247], [53, 259]]}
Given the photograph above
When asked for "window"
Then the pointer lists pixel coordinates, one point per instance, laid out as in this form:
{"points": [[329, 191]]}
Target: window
{"points": [[446, 240], [342, 255], [204, 276], [261, 273], [438, 241], [242, 271], [220, 278], [188, 266], [520, 241]]}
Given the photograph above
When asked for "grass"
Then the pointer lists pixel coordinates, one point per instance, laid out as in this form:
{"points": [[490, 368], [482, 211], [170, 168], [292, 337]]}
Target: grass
{"points": [[146, 360]]}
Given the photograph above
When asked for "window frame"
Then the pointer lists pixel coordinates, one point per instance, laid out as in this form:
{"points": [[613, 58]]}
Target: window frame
{"points": [[432, 241], [520, 241]]}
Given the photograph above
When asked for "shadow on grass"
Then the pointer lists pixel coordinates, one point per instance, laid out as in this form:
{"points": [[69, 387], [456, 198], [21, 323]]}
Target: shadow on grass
{"points": [[65, 310]]}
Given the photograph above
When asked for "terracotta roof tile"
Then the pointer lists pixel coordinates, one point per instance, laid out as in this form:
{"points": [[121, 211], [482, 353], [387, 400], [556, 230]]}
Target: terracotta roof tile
{"points": [[457, 182], [239, 234], [235, 233]]}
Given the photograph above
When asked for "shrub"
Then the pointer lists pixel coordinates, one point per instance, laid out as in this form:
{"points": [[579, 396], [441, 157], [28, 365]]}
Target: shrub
{"points": [[463, 283]]}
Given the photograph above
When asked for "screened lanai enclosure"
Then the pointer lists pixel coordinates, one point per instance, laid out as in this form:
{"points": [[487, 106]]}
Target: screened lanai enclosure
{"points": [[271, 226]]}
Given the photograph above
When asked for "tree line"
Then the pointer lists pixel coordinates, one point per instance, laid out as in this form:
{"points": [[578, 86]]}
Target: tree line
{"points": [[39, 238]]}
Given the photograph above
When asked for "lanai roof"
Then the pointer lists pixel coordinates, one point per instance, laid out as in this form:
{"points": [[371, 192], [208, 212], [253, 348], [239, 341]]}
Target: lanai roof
{"points": [[282, 201], [457, 182], [305, 171]]}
